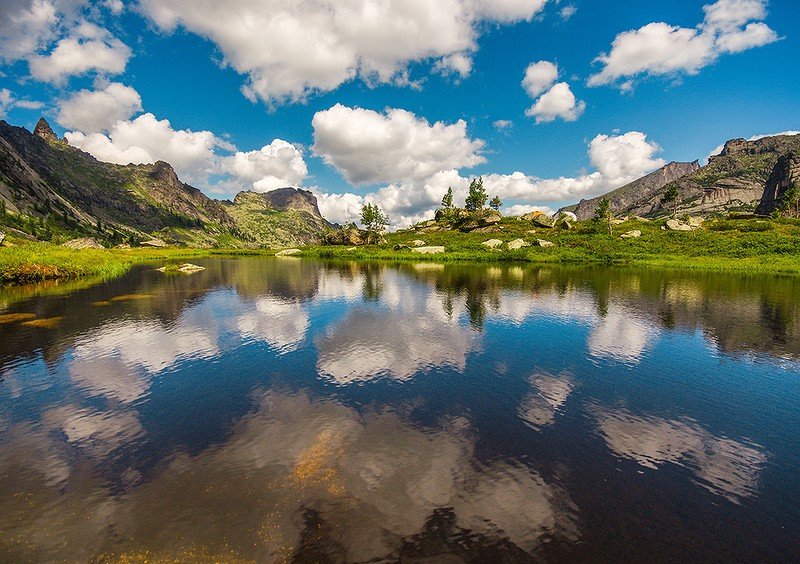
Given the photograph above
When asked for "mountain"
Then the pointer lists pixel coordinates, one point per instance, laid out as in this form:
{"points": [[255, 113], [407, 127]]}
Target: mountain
{"points": [[785, 177], [281, 217], [637, 194], [54, 190], [733, 181]]}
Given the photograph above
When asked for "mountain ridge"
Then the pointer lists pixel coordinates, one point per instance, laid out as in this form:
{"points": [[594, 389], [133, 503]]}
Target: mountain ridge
{"points": [[67, 190]]}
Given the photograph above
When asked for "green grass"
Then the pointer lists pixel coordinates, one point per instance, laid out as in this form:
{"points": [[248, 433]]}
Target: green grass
{"points": [[724, 245], [27, 263], [735, 245]]}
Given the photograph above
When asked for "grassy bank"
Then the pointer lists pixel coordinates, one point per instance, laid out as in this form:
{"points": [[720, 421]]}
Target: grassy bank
{"points": [[721, 245], [771, 246], [28, 262]]}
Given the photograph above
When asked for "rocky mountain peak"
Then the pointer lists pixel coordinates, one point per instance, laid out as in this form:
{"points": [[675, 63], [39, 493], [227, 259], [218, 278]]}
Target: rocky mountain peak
{"points": [[784, 176], [164, 172], [285, 199], [44, 130]]}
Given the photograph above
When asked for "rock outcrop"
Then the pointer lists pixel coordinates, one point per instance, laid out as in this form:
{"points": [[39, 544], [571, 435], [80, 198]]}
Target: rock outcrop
{"points": [[785, 176], [286, 199], [638, 194]]}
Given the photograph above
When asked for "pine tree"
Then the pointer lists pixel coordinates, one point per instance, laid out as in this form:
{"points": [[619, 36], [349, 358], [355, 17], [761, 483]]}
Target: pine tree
{"points": [[373, 220], [671, 196], [476, 200], [604, 213], [495, 203], [447, 200]]}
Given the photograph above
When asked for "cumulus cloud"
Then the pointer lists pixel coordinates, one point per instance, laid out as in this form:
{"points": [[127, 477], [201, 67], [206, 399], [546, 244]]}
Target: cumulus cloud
{"points": [[88, 48], [368, 147], [501, 124], [317, 46], [618, 159], [555, 100], [27, 27], [539, 77], [98, 110], [558, 102], [102, 126], [276, 165], [730, 26]]}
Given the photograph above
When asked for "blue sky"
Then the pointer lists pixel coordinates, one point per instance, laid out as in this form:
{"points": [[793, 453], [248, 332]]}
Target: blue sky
{"points": [[666, 91]]}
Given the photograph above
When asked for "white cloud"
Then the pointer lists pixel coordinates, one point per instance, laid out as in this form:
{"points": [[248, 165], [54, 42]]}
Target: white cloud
{"points": [[555, 100], [98, 110], [568, 11], [27, 27], [8, 102], [276, 165], [662, 49], [367, 147], [317, 46], [89, 48], [503, 124], [618, 159], [147, 139], [539, 77], [558, 102]]}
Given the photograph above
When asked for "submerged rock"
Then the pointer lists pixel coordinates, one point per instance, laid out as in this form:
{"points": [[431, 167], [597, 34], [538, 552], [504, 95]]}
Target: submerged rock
{"points": [[288, 253], [83, 243], [185, 268], [428, 250]]}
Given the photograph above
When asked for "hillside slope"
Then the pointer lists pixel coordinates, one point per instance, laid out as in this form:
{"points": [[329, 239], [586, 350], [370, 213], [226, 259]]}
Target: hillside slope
{"points": [[53, 190]]}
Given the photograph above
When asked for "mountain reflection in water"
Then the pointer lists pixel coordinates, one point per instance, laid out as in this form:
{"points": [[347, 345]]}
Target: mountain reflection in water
{"points": [[284, 410]]}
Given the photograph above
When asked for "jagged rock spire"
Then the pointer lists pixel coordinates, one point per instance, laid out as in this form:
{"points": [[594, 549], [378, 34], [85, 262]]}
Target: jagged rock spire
{"points": [[44, 130]]}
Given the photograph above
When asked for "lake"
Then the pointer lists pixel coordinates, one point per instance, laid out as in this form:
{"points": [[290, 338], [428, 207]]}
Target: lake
{"points": [[289, 410]]}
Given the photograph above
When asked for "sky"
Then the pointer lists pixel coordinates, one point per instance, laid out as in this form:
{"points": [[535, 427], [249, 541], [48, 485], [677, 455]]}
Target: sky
{"points": [[394, 101]]}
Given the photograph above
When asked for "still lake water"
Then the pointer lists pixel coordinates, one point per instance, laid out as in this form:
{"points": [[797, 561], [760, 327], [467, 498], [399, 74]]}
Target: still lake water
{"points": [[287, 410]]}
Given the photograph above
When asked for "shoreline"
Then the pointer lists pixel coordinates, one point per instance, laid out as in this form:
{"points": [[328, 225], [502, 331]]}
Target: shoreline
{"points": [[764, 247]]}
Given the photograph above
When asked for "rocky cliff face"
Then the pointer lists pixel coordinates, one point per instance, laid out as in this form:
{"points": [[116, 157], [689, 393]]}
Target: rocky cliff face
{"points": [[637, 197], [285, 199], [785, 176], [734, 180], [49, 181]]}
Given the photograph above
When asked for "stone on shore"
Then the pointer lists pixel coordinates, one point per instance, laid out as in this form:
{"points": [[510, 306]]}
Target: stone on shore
{"points": [[288, 253], [83, 243], [428, 250], [157, 243]]}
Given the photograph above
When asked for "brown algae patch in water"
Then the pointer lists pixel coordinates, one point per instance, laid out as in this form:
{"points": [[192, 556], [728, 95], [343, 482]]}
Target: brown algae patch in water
{"points": [[14, 317], [101, 304], [131, 297], [44, 323]]}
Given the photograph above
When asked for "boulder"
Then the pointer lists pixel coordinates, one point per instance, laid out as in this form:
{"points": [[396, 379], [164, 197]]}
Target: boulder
{"points": [[83, 243], [564, 223], [695, 222], [428, 250], [417, 243], [123, 246], [288, 253], [543, 243], [539, 219], [517, 244], [492, 243], [568, 215], [631, 234], [675, 225], [348, 235], [491, 218], [157, 243]]}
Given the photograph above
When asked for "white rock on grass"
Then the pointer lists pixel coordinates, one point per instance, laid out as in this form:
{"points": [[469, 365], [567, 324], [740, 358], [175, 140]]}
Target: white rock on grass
{"points": [[492, 243], [517, 244], [543, 243], [631, 234], [417, 243], [428, 250]]}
